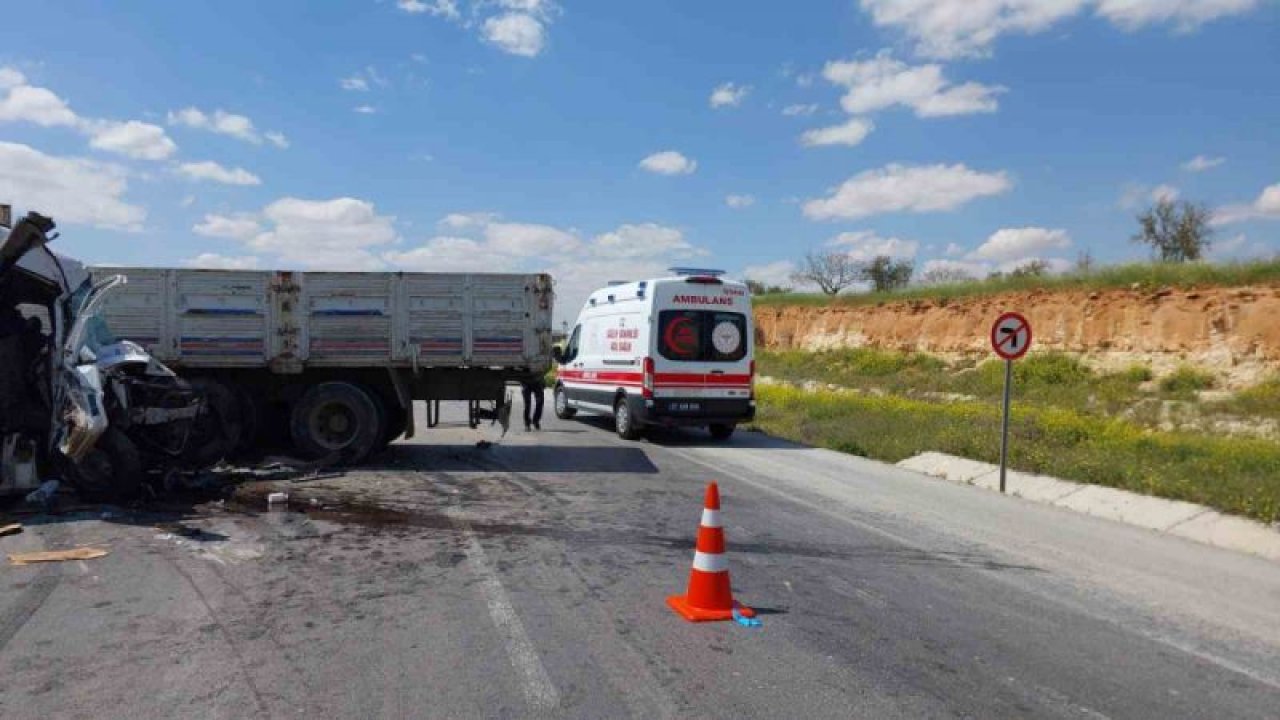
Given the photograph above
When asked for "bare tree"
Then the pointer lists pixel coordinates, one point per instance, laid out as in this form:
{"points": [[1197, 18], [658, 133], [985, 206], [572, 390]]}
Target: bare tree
{"points": [[830, 271], [757, 287], [1176, 231], [946, 276], [1084, 262], [1031, 268], [886, 274]]}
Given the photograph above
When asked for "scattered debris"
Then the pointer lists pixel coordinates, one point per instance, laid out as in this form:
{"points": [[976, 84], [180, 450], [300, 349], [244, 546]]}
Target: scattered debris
{"points": [[13, 529], [745, 621], [278, 498], [80, 553], [44, 495]]}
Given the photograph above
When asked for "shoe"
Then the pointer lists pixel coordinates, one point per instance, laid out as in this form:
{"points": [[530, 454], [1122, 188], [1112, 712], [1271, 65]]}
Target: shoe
{"points": [[527, 427], [537, 426]]}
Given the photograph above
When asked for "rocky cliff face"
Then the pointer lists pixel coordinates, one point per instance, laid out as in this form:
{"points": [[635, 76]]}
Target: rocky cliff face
{"points": [[1233, 332]]}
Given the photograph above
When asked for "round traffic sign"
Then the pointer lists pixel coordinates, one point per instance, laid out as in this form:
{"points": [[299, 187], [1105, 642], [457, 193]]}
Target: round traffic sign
{"points": [[1011, 336]]}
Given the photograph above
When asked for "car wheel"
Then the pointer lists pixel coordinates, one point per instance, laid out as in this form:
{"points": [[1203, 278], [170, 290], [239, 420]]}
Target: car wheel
{"points": [[561, 401], [722, 432], [336, 418], [111, 470], [623, 421]]}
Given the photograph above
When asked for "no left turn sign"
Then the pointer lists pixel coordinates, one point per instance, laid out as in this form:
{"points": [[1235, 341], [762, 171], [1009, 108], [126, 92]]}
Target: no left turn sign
{"points": [[1011, 336]]}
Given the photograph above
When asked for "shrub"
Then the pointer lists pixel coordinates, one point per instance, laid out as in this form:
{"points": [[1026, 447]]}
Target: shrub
{"points": [[1187, 379]]}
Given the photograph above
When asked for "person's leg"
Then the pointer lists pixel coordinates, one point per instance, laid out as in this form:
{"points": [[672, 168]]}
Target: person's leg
{"points": [[537, 407], [524, 393]]}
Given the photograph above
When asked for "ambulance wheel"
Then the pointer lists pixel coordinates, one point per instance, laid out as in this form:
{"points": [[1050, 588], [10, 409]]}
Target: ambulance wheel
{"points": [[561, 402], [336, 418], [721, 432], [112, 470], [623, 421]]}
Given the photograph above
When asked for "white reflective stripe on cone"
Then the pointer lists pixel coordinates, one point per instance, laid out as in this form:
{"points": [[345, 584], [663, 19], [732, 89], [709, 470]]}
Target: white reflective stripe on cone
{"points": [[710, 563], [710, 518]]}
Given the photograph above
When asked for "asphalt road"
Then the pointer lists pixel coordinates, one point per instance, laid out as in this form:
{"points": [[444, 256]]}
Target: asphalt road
{"points": [[528, 580]]}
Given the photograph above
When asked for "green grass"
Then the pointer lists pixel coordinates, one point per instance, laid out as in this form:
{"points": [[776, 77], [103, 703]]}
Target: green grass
{"points": [[1145, 275], [1186, 381], [1261, 400], [1047, 379], [1234, 475]]}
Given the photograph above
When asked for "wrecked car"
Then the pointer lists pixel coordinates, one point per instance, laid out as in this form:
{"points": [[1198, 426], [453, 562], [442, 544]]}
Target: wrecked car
{"points": [[77, 403]]}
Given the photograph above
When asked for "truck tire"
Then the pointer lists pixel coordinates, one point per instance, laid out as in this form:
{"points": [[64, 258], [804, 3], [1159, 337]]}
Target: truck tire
{"points": [[560, 401], [624, 422], [722, 432], [391, 418], [336, 417], [112, 470]]}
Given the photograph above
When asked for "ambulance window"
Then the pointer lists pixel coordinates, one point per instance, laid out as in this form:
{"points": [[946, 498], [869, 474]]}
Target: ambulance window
{"points": [[728, 336], [571, 349], [680, 334], [702, 335]]}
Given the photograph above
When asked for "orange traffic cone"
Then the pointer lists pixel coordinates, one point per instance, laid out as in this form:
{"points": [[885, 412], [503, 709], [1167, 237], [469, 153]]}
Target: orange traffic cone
{"points": [[709, 596]]}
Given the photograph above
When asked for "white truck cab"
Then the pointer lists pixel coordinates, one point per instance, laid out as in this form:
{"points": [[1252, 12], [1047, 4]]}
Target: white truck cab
{"points": [[670, 351]]}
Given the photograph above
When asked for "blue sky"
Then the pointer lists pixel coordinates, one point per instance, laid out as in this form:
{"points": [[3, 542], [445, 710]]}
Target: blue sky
{"points": [[603, 141]]}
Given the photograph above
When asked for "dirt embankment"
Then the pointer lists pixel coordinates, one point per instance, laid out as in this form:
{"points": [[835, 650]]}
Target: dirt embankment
{"points": [[1233, 332]]}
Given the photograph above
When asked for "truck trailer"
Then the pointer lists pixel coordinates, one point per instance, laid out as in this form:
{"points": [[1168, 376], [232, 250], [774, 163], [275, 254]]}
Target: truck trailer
{"points": [[331, 362]]}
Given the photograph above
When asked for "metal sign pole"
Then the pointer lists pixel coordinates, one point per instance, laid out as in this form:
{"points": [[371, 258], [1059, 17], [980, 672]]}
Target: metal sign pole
{"points": [[1004, 424]]}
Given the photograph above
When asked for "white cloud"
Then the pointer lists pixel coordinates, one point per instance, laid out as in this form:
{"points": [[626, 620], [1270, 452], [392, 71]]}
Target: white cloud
{"points": [[1185, 15], [132, 139], [222, 122], [336, 234], [235, 227], [1014, 244], [864, 245], [645, 240], [738, 202], [901, 188], [528, 239], [669, 162], [1265, 207], [277, 139], [214, 172], [883, 82], [437, 8], [354, 82], [11, 77], [188, 201], [777, 274], [213, 261], [1167, 193], [37, 105], [851, 132], [728, 95], [365, 109], [516, 33], [800, 110], [448, 254], [953, 250], [968, 28], [1200, 163], [71, 190], [1239, 247]]}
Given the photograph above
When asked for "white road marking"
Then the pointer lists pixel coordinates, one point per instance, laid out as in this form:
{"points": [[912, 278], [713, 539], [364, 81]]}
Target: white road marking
{"points": [[538, 690]]}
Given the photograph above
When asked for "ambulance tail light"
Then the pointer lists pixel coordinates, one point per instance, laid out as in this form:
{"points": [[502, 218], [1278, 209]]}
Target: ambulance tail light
{"points": [[646, 389], [751, 375]]}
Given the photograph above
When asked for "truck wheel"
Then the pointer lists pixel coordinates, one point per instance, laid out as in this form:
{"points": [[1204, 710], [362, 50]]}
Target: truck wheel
{"points": [[623, 422], [721, 432], [111, 470], [336, 417], [391, 418], [561, 402]]}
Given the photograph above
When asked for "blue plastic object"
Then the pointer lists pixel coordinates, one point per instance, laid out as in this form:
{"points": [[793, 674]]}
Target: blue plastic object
{"points": [[743, 620]]}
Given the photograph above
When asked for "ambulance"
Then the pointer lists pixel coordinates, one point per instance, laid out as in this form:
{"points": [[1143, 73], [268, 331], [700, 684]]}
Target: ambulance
{"points": [[671, 351]]}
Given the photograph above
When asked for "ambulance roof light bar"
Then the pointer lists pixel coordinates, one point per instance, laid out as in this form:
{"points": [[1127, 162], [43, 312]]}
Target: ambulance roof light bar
{"points": [[684, 271]]}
